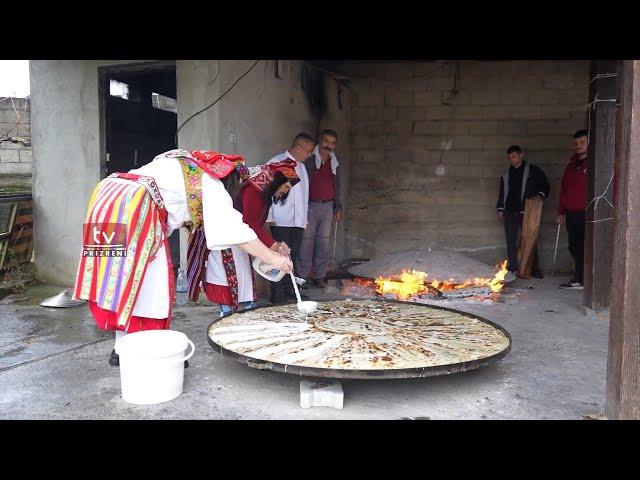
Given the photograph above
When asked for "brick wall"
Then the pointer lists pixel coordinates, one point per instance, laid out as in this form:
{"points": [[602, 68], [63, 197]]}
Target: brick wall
{"points": [[403, 116], [15, 131]]}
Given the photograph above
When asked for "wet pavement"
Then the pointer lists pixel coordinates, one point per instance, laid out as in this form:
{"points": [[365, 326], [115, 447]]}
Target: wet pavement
{"points": [[54, 365]]}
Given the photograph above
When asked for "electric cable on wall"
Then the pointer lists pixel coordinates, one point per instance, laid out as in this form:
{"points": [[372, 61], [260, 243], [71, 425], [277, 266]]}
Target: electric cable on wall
{"points": [[217, 99], [603, 196]]}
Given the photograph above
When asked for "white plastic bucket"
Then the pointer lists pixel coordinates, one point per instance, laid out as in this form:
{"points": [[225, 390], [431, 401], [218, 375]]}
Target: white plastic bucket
{"points": [[152, 365]]}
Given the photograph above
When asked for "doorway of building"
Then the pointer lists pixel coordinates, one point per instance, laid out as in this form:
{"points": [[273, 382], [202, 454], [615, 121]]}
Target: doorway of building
{"points": [[139, 119]]}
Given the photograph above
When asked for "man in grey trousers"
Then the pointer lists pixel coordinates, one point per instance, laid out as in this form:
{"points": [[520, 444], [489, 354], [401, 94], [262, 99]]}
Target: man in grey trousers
{"points": [[325, 208]]}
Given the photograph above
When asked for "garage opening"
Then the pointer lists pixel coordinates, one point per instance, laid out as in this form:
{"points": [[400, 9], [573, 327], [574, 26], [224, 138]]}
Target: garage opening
{"points": [[139, 119]]}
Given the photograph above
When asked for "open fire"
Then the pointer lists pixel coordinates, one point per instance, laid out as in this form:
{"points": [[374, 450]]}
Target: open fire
{"points": [[413, 283]]}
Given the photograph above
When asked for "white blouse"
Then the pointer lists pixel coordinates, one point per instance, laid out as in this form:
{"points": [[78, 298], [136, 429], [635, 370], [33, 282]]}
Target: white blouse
{"points": [[223, 227]]}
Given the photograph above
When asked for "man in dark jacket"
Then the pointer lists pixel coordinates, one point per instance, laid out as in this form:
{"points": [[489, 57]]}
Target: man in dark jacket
{"points": [[325, 208], [521, 181], [572, 204]]}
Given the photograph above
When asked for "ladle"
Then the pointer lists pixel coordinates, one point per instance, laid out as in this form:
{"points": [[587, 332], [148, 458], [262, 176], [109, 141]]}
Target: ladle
{"points": [[303, 307]]}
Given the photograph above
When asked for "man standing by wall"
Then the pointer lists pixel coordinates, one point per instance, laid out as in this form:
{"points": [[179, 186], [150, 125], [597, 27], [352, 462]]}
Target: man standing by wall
{"points": [[289, 218], [522, 181], [325, 208], [572, 203]]}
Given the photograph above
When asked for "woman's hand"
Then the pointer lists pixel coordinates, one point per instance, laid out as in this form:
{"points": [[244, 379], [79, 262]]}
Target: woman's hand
{"points": [[281, 248], [281, 262], [258, 249]]}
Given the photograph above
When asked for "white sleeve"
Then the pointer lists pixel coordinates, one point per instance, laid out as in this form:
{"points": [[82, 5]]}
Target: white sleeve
{"points": [[223, 225], [270, 215]]}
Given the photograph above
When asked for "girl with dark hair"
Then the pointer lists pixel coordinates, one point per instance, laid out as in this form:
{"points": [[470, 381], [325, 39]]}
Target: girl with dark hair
{"points": [[232, 184], [229, 279]]}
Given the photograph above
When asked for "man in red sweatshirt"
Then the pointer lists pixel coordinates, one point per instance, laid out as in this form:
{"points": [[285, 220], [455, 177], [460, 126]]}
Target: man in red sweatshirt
{"points": [[572, 203]]}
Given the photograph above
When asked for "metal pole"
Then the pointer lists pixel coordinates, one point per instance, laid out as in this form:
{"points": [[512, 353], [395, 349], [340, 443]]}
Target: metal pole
{"points": [[555, 253], [335, 237]]}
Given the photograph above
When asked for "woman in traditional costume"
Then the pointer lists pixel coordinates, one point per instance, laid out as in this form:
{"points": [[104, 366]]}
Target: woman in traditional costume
{"points": [[134, 292], [230, 281]]}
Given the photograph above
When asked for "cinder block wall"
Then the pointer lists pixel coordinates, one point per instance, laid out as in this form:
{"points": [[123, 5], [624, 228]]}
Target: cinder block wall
{"points": [[15, 124], [403, 116], [340, 103]]}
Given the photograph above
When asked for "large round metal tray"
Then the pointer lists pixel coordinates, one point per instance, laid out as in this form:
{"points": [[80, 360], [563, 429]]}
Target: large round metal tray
{"points": [[363, 339]]}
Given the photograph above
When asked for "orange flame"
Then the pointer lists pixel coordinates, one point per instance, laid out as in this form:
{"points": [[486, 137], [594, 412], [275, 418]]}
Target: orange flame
{"points": [[412, 283], [498, 281]]}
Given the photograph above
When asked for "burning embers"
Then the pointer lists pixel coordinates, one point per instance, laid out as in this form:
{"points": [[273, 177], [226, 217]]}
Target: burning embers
{"points": [[415, 284]]}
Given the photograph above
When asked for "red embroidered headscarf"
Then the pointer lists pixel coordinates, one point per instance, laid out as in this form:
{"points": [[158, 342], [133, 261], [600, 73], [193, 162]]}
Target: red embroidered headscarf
{"points": [[262, 176], [219, 165]]}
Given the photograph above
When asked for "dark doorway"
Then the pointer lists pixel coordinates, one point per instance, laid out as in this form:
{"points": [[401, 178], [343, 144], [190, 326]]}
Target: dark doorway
{"points": [[139, 118]]}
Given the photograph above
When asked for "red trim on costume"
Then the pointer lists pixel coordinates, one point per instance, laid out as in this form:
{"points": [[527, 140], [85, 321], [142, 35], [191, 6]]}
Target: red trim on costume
{"points": [[108, 320], [218, 165], [220, 294], [264, 174]]}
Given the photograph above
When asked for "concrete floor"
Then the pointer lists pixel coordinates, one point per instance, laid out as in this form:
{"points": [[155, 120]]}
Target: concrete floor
{"points": [[53, 365]]}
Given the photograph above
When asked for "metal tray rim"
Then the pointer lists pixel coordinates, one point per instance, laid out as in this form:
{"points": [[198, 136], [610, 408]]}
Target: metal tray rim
{"points": [[419, 372]]}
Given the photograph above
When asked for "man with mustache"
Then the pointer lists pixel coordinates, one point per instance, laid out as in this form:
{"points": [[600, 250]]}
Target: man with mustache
{"points": [[325, 208]]}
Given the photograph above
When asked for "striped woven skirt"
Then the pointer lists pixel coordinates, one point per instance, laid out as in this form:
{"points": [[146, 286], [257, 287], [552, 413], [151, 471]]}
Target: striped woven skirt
{"points": [[111, 283]]}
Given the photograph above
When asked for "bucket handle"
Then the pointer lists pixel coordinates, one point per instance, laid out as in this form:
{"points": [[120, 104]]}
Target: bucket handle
{"points": [[193, 350]]}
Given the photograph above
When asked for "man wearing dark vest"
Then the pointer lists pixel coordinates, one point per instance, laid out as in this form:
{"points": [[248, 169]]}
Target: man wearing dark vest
{"points": [[521, 181], [325, 208]]}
